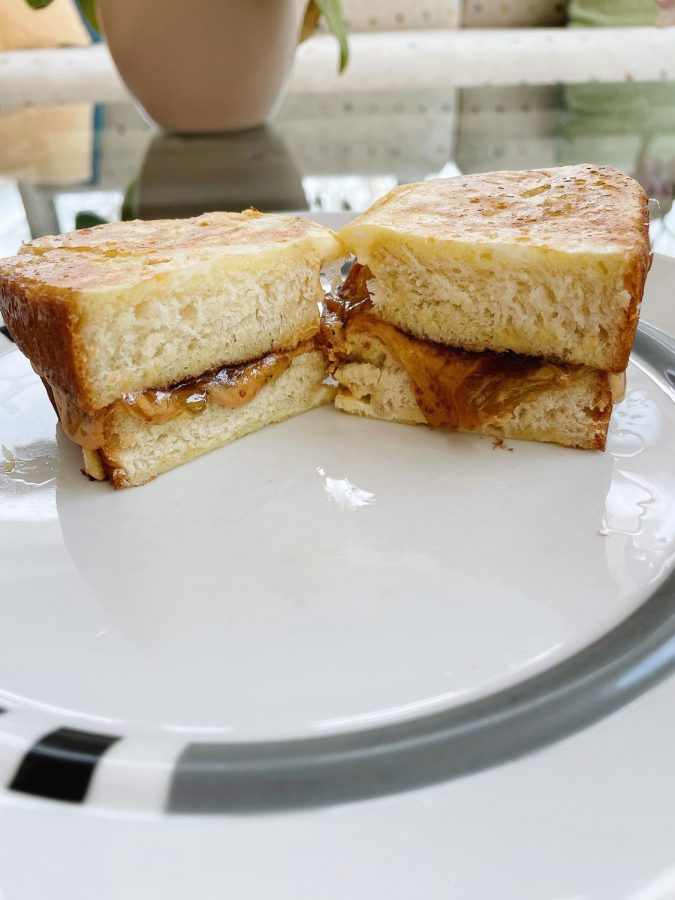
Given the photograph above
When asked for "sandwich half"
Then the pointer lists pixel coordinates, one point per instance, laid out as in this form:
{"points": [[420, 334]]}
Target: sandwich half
{"points": [[504, 304], [158, 341]]}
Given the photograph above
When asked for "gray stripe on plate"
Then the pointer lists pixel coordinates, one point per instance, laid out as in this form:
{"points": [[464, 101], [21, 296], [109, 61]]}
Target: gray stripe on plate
{"points": [[256, 777], [216, 778]]}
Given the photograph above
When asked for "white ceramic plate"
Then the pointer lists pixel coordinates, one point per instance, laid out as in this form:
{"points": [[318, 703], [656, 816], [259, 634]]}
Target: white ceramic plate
{"points": [[328, 609]]}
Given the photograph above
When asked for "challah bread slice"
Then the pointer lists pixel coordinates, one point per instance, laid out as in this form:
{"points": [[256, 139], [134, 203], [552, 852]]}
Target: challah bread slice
{"points": [[131, 305], [549, 263], [133, 451], [482, 393]]}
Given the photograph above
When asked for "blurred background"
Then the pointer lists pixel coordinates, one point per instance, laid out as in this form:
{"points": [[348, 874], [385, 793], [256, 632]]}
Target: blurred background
{"points": [[191, 107]]}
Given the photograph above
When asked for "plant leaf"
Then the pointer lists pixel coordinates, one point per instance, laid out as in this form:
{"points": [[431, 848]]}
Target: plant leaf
{"points": [[130, 202], [38, 4], [86, 219], [88, 8], [311, 21], [331, 10]]}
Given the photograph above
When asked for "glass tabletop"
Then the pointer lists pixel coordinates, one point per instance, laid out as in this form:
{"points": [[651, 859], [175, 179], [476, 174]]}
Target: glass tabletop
{"points": [[74, 164]]}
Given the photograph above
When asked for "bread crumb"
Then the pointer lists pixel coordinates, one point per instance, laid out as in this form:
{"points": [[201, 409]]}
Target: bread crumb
{"points": [[499, 444]]}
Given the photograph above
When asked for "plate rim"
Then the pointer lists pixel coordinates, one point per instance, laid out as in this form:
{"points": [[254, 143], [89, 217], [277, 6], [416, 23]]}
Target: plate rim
{"points": [[300, 773]]}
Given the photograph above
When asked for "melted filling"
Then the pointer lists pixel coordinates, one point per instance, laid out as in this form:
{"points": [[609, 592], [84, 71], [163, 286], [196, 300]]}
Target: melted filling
{"points": [[452, 387], [229, 386], [85, 430]]}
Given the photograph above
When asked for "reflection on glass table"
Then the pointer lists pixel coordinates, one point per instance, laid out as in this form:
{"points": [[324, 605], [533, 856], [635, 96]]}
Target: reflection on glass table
{"points": [[332, 152]]}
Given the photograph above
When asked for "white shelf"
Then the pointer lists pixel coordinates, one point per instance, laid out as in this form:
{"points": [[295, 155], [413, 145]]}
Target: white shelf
{"points": [[383, 61]]}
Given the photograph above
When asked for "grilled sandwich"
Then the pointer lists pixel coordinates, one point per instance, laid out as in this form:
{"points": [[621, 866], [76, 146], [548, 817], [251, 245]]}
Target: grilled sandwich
{"points": [[158, 341], [503, 303]]}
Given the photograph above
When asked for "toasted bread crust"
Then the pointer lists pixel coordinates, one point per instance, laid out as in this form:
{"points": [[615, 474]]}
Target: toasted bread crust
{"points": [[42, 325], [634, 282], [585, 208], [119, 255], [115, 473]]}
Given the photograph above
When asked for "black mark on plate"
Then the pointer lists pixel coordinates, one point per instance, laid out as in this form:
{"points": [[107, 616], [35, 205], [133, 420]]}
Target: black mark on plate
{"points": [[61, 764]]}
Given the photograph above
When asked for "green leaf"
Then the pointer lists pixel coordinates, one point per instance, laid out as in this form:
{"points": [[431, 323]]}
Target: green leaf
{"points": [[88, 8], [130, 202], [86, 219], [331, 10]]}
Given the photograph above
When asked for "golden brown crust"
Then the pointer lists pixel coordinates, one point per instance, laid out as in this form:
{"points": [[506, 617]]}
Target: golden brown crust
{"points": [[600, 413], [634, 282], [120, 254], [42, 324], [100, 466], [589, 208], [115, 473]]}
